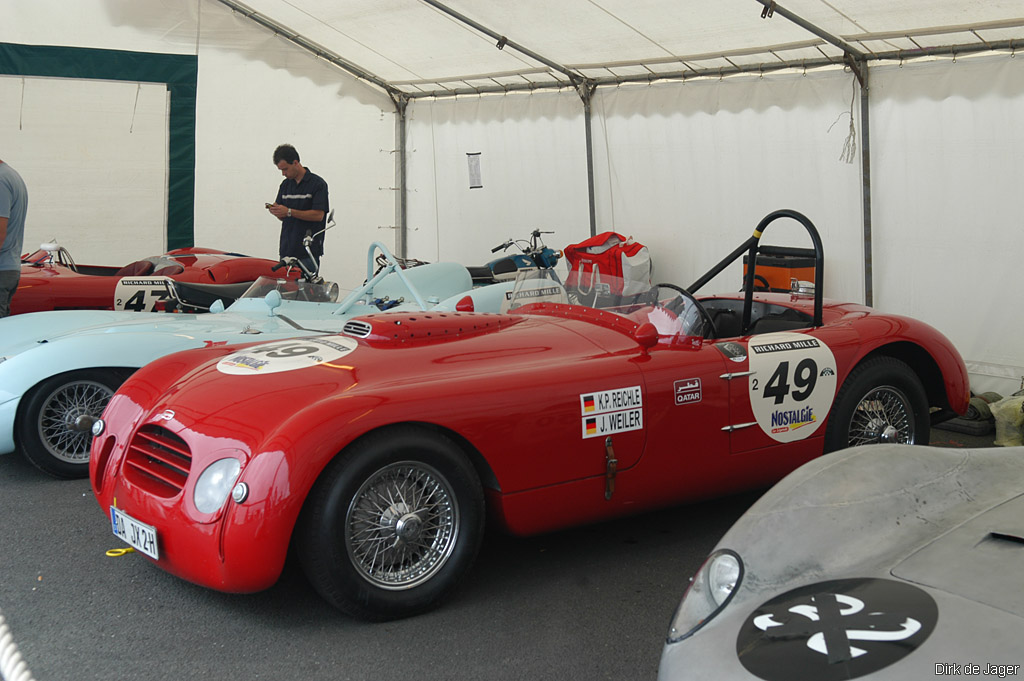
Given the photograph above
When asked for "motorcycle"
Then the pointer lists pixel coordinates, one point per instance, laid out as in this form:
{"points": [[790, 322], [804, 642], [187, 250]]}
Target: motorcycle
{"points": [[534, 256]]}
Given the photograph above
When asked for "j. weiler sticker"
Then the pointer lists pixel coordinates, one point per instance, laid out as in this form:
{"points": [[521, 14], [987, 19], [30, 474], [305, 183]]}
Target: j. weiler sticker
{"points": [[612, 411]]}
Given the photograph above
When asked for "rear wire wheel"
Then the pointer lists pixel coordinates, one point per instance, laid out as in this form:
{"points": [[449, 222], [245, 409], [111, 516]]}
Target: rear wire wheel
{"points": [[393, 524], [882, 401]]}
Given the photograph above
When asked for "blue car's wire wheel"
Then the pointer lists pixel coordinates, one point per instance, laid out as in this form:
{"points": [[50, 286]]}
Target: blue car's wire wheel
{"points": [[54, 424]]}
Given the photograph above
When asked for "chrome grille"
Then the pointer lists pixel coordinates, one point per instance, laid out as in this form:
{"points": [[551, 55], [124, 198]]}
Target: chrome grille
{"points": [[158, 461], [357, 328]]}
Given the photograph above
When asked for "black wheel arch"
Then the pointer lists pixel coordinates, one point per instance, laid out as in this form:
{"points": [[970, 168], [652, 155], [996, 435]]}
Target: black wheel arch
{"points": [[483, 469], [122, 372], [922, 363]]}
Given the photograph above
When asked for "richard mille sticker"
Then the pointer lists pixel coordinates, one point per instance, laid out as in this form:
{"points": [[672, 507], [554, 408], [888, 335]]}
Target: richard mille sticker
{"points": [[840, 629], [287, 355], [612, 411], [792, 384]]}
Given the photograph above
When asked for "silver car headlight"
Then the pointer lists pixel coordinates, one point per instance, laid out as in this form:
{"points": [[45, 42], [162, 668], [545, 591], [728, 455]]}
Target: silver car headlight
{"points": [[709, 592], [215, 484]]}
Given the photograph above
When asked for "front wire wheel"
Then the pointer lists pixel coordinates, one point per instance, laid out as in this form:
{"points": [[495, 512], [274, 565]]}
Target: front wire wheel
{"points": [[402, 526], [393, 524]]}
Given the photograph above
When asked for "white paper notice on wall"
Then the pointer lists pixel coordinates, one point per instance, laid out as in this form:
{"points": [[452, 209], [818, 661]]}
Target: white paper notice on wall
{"points": [[474, 170]]}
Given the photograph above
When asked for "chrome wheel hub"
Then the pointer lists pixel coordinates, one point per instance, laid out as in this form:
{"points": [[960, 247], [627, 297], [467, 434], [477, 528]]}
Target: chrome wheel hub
{"points": [[65, 419], [402, 526], [885, 415]]}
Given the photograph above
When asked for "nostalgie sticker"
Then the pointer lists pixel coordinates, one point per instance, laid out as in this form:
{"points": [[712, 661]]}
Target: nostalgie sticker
{"points": [[287, 355], [792, 384], [612, 411]]}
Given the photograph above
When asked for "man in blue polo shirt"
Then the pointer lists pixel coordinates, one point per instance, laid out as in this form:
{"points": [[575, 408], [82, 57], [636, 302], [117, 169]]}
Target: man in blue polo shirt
{"points": [[13, 208], [302, 206]]}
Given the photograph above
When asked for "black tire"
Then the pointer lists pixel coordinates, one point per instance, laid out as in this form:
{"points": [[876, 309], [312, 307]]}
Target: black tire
{"points": [[881, 401], [368, 544], [50, 434]]}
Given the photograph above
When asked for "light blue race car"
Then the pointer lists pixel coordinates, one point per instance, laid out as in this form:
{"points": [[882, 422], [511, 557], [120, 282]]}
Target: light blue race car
{"points": [[59, 369]]}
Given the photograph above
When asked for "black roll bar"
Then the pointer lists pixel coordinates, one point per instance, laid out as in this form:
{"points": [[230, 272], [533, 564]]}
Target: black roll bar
{"points": [[751, 247]]}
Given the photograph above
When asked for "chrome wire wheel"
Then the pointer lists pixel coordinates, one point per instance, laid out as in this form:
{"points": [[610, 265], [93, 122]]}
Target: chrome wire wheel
{"points": [[402, 525], [885, 415], [65, 419]]}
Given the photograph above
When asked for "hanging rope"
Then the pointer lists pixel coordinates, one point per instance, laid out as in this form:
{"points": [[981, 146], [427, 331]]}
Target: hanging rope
{"points": [[849, 153], [12, 667]]}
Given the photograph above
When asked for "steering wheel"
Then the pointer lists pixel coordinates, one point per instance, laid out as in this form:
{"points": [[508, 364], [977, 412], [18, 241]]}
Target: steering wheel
{"points": [[709, 326]]}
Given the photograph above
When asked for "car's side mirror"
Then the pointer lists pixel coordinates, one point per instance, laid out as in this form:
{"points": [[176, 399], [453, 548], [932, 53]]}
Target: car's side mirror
{"points": [[273, 300], [646, 335]]}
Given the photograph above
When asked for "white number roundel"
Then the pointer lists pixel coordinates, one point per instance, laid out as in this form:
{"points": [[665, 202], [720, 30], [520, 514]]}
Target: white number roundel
{"points": [[792, 384], [286, 355]]}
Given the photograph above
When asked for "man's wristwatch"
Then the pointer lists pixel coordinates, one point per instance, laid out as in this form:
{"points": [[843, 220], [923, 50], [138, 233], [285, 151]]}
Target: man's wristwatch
{"points": [[289, 212]]}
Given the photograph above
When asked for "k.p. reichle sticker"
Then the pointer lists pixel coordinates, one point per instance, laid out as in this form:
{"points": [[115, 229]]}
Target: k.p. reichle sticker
{"points": [[607, 412]]}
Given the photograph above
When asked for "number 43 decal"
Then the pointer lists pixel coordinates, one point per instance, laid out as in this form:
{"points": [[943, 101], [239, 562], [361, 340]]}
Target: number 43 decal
{"points": [[140, 295], [778, 386], [138, 302]]}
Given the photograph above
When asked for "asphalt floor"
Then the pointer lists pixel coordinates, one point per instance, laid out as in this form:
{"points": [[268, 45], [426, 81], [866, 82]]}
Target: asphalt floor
{"points": [[590, 603]]}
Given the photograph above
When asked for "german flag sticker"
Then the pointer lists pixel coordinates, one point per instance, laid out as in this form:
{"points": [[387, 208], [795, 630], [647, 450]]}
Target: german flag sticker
{"points": [[588, 403], [591, 426]]}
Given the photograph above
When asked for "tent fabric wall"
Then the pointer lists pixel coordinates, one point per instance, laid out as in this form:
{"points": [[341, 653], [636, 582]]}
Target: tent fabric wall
{"points": [[255, 91], [947, 144], [690, 169], [75, 165], [533, 171]]}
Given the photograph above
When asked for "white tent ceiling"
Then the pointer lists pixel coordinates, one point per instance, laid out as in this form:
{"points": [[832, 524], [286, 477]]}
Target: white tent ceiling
{"points": [[431, 47]]}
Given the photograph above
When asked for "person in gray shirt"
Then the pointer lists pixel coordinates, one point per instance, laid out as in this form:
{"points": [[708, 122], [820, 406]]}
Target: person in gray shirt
{"points": [[13, 209]]}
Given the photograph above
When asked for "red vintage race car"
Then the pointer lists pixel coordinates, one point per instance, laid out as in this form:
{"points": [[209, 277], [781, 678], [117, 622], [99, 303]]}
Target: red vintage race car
{"points": [[380, 453], [52, 280]]}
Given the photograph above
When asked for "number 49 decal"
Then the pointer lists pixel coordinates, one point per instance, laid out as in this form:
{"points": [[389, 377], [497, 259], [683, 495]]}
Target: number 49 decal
{"points": [[804, 378], [792, 384]]}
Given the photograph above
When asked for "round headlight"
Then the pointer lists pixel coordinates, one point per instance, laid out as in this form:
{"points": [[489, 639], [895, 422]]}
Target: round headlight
{"points": [[709, 592], [215, 484]]}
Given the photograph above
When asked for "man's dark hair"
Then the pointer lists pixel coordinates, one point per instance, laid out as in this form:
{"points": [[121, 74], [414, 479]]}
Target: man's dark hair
{"points": [[286, 153]]}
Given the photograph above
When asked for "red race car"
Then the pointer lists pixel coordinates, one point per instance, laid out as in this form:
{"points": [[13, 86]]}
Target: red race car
{"points": [[380, 453], [51, 280]]}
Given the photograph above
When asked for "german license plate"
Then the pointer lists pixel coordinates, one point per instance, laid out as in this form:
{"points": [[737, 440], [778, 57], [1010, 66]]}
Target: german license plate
{"points": [[139, 536]]}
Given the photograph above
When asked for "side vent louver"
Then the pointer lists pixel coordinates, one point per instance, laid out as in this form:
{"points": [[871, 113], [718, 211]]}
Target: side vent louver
{"points": [[357, 328]]}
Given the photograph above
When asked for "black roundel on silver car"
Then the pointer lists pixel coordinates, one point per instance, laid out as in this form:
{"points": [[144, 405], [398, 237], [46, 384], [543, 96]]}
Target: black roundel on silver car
{"points": [[840, 629]]}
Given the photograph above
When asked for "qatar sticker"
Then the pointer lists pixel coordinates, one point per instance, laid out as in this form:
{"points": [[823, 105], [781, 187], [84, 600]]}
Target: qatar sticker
{"points": [[792, 384], [836, 630], [287, 355], [688, 391], [612, 411]]}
